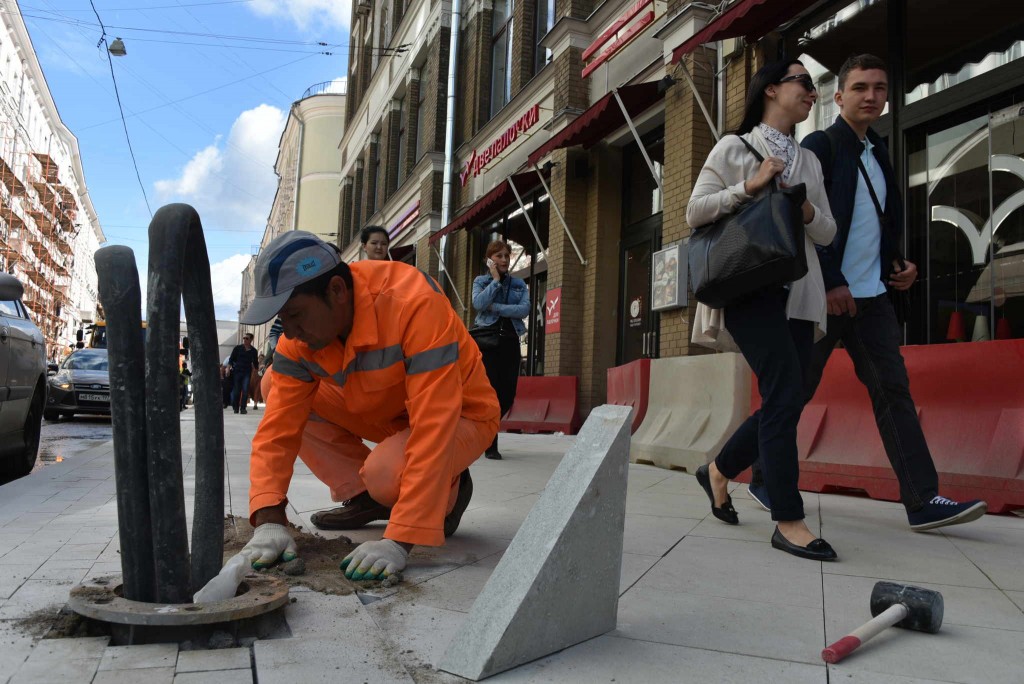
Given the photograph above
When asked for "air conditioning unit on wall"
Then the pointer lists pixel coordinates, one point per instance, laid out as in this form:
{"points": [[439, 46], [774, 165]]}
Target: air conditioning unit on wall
{"points": [[732, 46]]}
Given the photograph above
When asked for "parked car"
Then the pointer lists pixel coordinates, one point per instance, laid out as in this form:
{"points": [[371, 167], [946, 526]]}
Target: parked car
{"points": [[22, 381], [81, 385]]}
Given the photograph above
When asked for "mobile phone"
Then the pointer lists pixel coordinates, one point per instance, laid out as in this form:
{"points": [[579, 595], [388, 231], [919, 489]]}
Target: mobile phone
{"points": [[490, 263]]}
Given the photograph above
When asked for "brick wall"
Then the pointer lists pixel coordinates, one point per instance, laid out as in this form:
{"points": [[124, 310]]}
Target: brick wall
{"points": [[577, 9], [474, 108], [688, 140], [412, 107], [524, 29], [389, 153]]}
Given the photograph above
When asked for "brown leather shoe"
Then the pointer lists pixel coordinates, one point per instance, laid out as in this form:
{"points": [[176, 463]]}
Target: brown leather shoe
{"points": [[357, 512], [452, 520]]}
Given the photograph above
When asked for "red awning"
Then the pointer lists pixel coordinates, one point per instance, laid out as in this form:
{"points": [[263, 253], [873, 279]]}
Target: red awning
{"points": [[497, 198], [751, 19], [601, 119]]}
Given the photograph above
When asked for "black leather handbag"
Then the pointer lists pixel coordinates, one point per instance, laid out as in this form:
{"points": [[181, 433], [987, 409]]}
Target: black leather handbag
{"points": [[487, 336], [760, 246]]}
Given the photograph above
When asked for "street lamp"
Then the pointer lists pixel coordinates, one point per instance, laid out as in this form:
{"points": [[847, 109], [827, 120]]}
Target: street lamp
{"points": [[117, 48]]}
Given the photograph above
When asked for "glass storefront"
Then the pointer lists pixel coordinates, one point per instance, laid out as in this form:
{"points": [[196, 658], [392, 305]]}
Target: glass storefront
{"points": [[958, 150], [528, 262]]}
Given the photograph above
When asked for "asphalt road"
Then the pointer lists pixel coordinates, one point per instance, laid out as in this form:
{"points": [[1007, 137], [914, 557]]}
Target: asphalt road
{"points": [[64, 438]]}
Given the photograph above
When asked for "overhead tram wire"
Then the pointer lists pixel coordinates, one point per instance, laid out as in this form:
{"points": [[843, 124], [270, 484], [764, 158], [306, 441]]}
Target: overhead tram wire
{"points": [[384, 52], [150, 7], [120, 108]]}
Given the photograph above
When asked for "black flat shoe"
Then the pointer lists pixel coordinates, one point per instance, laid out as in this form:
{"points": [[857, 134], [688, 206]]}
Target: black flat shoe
{"points": [[493, 455], [726, 513], [819, 549]]}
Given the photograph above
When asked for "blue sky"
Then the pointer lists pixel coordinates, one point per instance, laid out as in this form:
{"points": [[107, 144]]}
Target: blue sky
{"points": [[204, 112]]}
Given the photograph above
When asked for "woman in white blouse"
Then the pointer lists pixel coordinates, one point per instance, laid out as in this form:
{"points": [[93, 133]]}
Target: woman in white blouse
{"points": [[775, 328]]}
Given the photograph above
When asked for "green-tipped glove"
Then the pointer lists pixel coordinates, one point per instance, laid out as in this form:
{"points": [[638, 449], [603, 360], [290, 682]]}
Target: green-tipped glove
{"points": [[374, 560], [269, 543]]}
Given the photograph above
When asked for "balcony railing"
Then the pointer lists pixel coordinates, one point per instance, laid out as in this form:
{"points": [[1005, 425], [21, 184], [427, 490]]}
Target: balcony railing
{"points": [[335, 87]]}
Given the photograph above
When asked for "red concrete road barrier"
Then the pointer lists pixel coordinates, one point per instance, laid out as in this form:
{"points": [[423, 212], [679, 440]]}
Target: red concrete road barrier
{"points": [[544, 404], [970, 399], [630, 385]]}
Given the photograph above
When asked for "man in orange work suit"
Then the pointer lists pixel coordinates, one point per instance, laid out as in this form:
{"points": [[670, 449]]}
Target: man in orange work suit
{"points": [[373, 351]]}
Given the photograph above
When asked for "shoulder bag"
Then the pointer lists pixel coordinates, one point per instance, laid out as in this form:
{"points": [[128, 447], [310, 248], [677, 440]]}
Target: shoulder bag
{"points": [[760, 246], [488, 337]]}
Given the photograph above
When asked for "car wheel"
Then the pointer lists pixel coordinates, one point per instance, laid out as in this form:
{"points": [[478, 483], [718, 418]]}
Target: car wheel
{"points": [[50, 414], [31, 432], [68, 414]]}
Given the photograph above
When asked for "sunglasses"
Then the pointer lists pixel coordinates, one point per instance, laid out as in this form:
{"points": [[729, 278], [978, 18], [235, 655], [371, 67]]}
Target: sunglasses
{"points": [[803, 79]]}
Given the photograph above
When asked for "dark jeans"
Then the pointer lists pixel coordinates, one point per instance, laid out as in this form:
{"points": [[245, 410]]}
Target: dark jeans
{"points": [[239, 389], [778, 351], [872, 339], [502, 365]]}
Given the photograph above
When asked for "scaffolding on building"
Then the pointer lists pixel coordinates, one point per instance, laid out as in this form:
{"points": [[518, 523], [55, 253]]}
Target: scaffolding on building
{"points": [[38, 227]]}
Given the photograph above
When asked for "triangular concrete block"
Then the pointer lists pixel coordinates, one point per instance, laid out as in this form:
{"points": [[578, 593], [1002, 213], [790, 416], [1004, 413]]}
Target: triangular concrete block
{"points": [[558, 582]]}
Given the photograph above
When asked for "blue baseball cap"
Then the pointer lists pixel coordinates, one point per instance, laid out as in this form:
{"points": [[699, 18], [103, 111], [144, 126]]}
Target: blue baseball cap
{"points": [[291, 259]]}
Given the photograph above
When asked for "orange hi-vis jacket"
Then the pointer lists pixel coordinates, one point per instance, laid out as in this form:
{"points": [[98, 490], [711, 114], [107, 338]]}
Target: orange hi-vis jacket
{"points": [[408, 362]]}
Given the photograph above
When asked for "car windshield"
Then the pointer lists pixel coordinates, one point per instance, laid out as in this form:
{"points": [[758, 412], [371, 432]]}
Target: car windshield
{"points": [[86, 360]]}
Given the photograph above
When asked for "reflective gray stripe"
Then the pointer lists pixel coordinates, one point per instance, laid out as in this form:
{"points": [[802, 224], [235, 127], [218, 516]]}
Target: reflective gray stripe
{"points": [[430, 281], [374, 359], [432, 359], [314, 368], [285, 366]]}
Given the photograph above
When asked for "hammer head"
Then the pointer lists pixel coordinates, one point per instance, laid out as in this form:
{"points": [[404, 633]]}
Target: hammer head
{"points": [[924, 605]]}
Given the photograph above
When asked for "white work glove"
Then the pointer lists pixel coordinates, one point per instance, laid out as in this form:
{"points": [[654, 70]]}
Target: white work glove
{"points": [[270, 542], [375, 560]]}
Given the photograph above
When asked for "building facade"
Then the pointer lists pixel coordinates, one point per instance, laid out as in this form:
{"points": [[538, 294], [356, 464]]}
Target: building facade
{"points": [[308, 169], [48, 227], [583, 125], [580, 128]]}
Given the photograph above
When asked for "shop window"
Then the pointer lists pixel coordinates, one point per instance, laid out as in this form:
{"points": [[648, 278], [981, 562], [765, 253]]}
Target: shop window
{"points": [[965, 208], [545, 22], [642, 198], [824, 44], [501, 55], [946, 45]]}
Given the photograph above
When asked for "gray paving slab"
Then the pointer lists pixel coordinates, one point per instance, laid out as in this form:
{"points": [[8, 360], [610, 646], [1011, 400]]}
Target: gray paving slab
{"points": [[634, 566], [152, 675], [34, 596], [612, 659], [314, 614], [419, 634], [754, 628], [1017, 597], [55, 671], [738, 570], [314, 660], [72, 649], [667, 505], [139, 657], [996, 551], [16, 645], [240, 676], [13, 576], [207, 661], [651, 535]]}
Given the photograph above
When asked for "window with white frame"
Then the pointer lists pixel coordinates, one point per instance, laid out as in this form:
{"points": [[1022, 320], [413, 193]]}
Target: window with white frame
{"points": [[501, 55]]}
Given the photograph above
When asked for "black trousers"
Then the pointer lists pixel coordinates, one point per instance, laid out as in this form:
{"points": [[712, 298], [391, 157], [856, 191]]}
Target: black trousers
{"points": [[872, 339], [502, 365], [778, 351]]}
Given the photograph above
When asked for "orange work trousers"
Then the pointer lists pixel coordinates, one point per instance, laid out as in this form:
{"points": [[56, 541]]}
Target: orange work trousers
{"points": [[337, 456]]}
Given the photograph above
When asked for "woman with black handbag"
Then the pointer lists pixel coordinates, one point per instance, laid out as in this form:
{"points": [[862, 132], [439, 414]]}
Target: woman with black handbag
{"points": [[501, 303], [775, 326]]}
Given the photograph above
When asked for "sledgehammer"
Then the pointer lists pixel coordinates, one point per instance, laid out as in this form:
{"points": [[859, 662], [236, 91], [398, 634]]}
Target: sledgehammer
{"points": [[892, 604]]}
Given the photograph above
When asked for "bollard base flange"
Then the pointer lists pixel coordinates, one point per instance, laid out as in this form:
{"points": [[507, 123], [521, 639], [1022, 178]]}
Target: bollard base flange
{"points": [[259, 598]]}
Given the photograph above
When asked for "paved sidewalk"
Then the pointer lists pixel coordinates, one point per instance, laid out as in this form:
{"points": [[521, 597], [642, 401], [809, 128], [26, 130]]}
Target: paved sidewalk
{"points": [[701, 601]]}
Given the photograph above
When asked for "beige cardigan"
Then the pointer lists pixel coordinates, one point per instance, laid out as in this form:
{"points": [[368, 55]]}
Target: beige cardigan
{"points": [[719, 191]]}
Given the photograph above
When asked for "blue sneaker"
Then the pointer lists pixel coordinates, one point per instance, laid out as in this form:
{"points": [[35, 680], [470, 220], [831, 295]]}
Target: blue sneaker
{"points": [[759, 493], [941, 511]]}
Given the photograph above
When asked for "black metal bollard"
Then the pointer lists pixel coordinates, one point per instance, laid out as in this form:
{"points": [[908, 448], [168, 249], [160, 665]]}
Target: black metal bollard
{"points": [[119, 292], [179, 268]]}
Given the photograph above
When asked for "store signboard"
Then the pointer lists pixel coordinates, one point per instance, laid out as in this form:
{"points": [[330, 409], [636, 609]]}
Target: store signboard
{"points": [[553, 311], [479, 159]]}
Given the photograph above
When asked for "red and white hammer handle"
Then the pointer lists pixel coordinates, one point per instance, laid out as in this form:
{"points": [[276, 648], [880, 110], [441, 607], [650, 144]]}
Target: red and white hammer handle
{"points": [[870, 629]]}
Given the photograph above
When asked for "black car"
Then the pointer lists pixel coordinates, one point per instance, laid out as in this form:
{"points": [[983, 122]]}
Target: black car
{"points": [[81, 385]]}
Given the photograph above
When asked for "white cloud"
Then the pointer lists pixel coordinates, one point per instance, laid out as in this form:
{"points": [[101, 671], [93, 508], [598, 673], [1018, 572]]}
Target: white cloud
{"points": [[307, 13], [226, 279], [231, 183]]}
